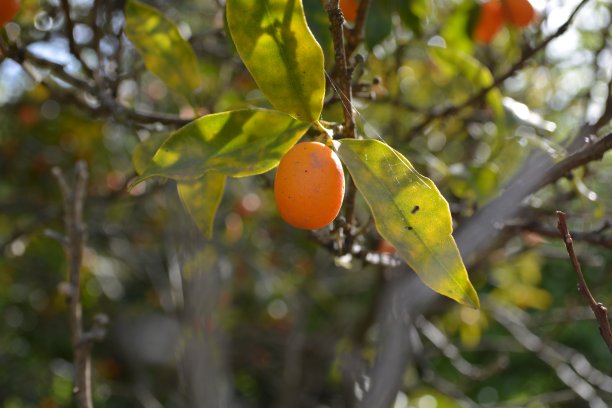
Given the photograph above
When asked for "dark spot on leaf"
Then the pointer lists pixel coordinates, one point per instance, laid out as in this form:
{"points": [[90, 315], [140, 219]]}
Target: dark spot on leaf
{"points": [[408, 228], [415, 209]]}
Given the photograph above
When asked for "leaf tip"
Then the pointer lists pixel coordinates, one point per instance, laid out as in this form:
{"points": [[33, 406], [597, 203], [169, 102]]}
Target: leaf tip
{"points": [[470, 297]]}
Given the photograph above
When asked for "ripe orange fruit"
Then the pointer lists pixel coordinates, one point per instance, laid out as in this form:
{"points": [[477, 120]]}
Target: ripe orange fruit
{"points": [[518, 12], [490, 21], [8, 11], [309, 186], [349, 9]]}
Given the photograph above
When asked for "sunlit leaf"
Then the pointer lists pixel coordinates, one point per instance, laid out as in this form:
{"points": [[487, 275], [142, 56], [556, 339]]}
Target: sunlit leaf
{"points": [[165, 52], [468, 67], [281, 53], [201, 197], [143, 153], [458, 27], [238, 143], [411, 214]]}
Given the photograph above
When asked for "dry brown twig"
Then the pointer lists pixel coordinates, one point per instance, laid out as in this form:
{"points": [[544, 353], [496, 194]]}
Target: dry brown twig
{"points": [[599, 310], [73, 241]]}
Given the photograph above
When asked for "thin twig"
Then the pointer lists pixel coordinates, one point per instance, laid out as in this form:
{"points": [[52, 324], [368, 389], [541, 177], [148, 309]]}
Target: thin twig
{"points": [[450, 351], [356, 35], [107, 105], [336, 20], [596, 236], [599, 310], [72, 45], [74, 198], [554, 355]]}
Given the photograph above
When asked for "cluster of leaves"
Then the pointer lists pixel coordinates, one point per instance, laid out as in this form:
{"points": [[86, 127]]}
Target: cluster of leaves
{"points": [[276, 45]]}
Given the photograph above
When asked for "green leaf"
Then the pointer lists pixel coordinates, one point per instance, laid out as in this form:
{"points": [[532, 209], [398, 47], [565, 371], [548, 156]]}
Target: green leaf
{"points": [[201, 197], [378, 25], [165, 53], [458, 27], [413, 13], [468, 67], [237, 143], [318, 21], [281, 53], [143, 153], [411, 214]]}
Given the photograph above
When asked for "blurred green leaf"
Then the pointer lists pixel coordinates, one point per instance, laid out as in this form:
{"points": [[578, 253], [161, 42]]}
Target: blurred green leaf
{"points": [[281, 53], [378, 24], [411, 214], [165, 52], [457, 30], [412, 13], [201, 197], [238, 143], [461, 64], [318, 21], [486, 179], [143, 153]]}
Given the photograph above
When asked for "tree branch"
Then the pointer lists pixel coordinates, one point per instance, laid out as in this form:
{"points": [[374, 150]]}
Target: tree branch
{"points": [[454, 109], [74, 198], [596, 236], [356, 35], [599, 310], [450, 351], [590, 152], [336, 20], [108, 106], [72, 45], [559, 359]]}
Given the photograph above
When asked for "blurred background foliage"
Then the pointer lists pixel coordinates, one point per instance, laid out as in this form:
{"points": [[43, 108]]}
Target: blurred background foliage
{"points": [[283, 313]]}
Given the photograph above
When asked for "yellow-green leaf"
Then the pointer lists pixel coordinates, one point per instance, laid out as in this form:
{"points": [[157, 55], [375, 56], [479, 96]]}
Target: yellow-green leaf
{"points": [[281, 53], [144, 152], [411, 214], [165, 53], [201, 197], [237, 143]]}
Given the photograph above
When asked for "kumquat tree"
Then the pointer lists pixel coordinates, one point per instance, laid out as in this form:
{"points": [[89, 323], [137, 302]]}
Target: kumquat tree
{"points": [[305, 203]]}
